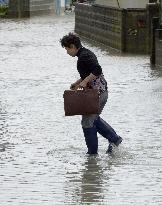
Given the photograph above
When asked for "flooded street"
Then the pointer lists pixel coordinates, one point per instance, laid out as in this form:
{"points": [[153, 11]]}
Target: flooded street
{"points": [[42, 152]]}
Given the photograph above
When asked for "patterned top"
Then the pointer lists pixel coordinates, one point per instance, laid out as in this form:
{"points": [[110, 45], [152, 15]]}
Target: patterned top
{"points": [[87, 63]]}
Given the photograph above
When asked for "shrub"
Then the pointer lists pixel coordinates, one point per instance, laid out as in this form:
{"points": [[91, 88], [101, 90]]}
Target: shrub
{"points": [[3, 10]]}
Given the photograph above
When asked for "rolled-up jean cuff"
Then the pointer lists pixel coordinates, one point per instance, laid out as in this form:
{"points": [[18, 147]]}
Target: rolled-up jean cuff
{"points": [[88, 120]]}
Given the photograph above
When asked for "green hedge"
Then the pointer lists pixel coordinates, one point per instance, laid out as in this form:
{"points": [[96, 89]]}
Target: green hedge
{"points": [[3, 10]]}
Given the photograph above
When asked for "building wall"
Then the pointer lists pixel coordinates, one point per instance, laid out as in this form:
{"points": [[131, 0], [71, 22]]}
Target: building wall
{"points": [[158, 48], [161, 12], [4, 2], [124, 3], [62, 3], [18, 9], [27, 8], [42, 6]]}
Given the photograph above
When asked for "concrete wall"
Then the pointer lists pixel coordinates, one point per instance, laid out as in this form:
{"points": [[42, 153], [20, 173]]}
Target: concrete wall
{"points": [[137, 38], [100, 24], [128, 30], [19, 8], [42, 7], [27, 8], [161, 12], [124, 3], [125, 30], [158, 48]]}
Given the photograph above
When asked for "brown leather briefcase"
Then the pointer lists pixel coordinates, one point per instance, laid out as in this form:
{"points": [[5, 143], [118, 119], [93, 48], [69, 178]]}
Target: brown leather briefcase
{"points": [[81, 102]]}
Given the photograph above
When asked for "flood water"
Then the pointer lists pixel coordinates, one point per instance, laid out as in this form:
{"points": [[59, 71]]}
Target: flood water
{"points": [[42, 152]]}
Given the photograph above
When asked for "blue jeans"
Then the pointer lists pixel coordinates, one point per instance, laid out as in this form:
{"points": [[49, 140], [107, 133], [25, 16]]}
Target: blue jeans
{"points": [[88, 120], [92, 124]]}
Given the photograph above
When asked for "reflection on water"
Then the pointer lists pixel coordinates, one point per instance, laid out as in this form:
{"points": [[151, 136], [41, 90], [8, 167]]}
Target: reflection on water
{"points": [[91, 184], [42, 152]]}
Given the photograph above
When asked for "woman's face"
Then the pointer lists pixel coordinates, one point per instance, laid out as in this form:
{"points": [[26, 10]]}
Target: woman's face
{"points": [[72, 51]]}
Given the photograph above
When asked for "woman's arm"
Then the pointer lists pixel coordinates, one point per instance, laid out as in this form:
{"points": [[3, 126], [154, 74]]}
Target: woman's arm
{"points": [[88, 79]]}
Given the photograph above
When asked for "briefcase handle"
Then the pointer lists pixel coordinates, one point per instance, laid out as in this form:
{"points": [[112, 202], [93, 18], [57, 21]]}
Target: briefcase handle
{"points": [[81, 90]]}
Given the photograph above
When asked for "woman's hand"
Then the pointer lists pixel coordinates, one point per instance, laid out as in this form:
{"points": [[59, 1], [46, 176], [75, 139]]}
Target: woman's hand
{"points": [[82, 85], [73, 86]]}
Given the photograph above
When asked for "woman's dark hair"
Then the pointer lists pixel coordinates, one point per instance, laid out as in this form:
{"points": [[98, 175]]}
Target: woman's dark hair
{"points": [[69, 39]]}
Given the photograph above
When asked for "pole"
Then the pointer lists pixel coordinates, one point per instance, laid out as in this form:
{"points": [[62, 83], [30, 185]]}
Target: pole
{"points": [[19, 8], [118, 3], [58, 7]]}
